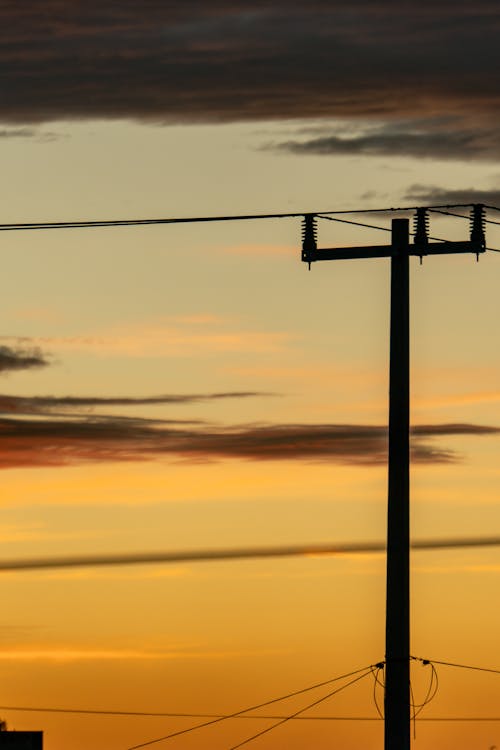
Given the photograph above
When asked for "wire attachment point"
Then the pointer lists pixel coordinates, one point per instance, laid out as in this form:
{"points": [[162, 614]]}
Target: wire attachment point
{"points": [[309, 237], [477, 227], [421, 231]]}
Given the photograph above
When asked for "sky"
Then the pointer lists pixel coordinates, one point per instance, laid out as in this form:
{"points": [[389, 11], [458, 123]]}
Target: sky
{"points": [[193, 386]]}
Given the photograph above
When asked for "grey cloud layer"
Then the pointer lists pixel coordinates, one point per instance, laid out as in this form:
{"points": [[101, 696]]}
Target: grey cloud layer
{"points": [[433, 194], [56, 442], [192, 61], [456, 139]]}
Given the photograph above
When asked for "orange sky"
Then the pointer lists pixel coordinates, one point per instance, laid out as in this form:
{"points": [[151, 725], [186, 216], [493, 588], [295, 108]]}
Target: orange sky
{"points": [[196, 387]]}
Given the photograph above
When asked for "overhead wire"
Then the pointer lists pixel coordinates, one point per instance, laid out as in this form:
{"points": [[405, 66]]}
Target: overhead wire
{"points": [[192, 715], [301, 710], [251, 708], [85, 224], [378, 683], [375, 670], [354, 223], [459, 666], [432, 689], [332, 215], [242, 553]]}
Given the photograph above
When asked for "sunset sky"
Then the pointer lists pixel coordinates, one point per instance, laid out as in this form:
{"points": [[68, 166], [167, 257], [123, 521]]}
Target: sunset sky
{"points": [[193, 386]]}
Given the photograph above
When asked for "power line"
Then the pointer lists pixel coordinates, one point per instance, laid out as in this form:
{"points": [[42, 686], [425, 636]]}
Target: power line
{"points": [[257, 717], [242, 553], [459, 666], [234, 715], [375, 226], [354, 223], [18, 226], [300, 711]]}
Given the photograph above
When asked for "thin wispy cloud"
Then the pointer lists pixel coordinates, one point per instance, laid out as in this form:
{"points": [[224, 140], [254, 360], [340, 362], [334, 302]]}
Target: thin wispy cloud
{"points": [[18, 133], [442, 138], [434, 194], [45, 441], [72, 654], [62, 404], [169, 337]]}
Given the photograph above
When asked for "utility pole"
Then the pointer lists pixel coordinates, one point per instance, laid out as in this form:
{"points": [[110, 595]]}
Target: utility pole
{"points": [[397, 644]]}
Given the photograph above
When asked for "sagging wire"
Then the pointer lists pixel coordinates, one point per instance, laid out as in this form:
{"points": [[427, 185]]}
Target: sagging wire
{"points": [[302, 710], [378, 683], [431, 690], [236, 714], [417, 708]]}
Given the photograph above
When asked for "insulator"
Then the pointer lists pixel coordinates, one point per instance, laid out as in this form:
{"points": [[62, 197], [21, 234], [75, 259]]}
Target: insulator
{"points": [[477, 225], [421, 227], [309, 235]]}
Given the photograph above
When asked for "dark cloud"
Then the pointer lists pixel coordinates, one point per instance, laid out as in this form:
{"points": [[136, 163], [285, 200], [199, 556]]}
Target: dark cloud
{"points": [[46, 441], [21, 359], [432, 194], [191, 61], [410, 139], [18, 133], [49, 404]]}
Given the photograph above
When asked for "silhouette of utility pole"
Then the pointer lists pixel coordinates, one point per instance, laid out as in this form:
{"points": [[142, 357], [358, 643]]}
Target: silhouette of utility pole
{"points": [[397, 634]]}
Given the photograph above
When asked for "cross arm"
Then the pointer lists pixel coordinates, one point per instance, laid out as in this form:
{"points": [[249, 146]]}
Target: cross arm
{"points": [[387, 251]]}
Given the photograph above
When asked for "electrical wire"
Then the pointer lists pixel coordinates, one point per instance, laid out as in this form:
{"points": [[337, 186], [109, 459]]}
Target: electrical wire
{"points": [[354, 223], [176, 714], [17, 226], [377, 682], [448, 213], [431, 691], [460, 666], [251, 708], [257, 717], [417, 708], [330, 215], [243, 553], [300, 711], [372, 226], [412, 717]]}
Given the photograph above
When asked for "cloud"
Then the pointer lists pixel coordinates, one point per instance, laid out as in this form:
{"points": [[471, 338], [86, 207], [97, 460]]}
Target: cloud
{"points": [[21, 359], [191, 61], [51, 404], [18, 133], [432, 194], [71, 654], [45, 441], [443, 138], [172, 336]]}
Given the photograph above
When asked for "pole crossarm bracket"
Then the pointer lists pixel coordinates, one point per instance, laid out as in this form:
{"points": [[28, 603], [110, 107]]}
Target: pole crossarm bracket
{"points": [[420, 247], [312, 255]]}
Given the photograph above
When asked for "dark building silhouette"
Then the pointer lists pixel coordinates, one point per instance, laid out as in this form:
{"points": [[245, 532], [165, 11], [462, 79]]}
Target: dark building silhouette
{"points": [[19, 740]]}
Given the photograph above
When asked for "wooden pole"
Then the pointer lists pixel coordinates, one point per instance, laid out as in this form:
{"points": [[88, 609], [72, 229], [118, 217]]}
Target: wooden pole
{"points": [[397, 675]]}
